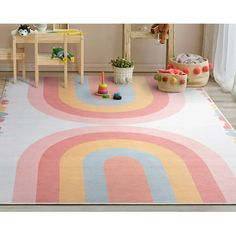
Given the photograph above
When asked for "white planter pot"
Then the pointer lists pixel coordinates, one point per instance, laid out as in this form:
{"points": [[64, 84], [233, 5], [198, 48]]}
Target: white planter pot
{"points": [[123, 75]]}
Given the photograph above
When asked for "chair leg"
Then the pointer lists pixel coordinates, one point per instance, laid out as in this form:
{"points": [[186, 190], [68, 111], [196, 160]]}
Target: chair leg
{"points": [[66, 62], [17, 67], [23, 68], [14, 60], [65, 75], [36, 76]]}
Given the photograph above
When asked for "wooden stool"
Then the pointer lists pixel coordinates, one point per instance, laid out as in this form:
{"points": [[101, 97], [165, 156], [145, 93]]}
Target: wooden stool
{"points": [[6, 55]]}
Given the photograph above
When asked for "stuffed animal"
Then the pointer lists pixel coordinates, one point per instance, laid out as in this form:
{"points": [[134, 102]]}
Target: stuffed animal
{"points": [[162, 30], [24, 30], [59, 53]]}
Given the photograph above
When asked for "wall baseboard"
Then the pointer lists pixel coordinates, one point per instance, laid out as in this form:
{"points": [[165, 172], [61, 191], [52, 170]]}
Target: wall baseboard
{"points": [[7, 67]]}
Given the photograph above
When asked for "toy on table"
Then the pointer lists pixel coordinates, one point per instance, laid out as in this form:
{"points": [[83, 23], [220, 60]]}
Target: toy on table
{"points": [[102, 87], [23, 30], [59, 53]]}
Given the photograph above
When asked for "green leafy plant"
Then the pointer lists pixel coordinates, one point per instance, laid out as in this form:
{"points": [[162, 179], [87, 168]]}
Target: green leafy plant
{"points": [[122, 63]]}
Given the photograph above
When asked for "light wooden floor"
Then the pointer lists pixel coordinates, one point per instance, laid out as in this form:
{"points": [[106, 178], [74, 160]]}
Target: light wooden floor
{"points": [[227, 105], [225, 101]]}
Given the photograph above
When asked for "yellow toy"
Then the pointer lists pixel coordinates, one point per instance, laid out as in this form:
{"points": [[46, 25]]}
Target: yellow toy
{"points": [[102, 87]]}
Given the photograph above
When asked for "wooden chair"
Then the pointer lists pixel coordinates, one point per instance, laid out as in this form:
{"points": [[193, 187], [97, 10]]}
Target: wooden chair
{"points": [[128, 35], [44, 59], [7, 55], [60, 26]]}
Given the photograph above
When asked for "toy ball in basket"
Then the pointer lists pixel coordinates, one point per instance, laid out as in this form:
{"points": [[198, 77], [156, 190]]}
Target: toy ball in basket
{"points": [[171, 80], [196, 67]]}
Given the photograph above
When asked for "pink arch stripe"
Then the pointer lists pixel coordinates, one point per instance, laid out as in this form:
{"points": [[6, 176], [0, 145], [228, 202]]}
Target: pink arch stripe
{"points": [[27, 169], [48, 177], [123, 189]]}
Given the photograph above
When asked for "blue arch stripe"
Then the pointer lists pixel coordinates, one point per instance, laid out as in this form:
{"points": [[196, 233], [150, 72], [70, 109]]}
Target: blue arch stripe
{"points": [[84, 94], [95, 183]]}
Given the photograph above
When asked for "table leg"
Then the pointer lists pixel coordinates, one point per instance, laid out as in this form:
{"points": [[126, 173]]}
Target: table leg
{"points": [[36, 66], [23, 68], [66, 62], [14, 60], [81, 60]]}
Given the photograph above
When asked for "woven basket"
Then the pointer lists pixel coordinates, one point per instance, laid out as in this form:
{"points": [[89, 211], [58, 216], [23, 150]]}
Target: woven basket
{"points": [[123, 75], [195, 79], [170, 82]]}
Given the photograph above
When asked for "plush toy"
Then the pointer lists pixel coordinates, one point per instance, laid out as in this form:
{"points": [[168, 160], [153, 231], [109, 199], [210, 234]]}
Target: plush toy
{"points": [[59, 53], [162, 30], [24, 30]]}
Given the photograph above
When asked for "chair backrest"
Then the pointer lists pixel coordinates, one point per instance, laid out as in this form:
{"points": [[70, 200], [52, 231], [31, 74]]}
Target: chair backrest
{"points": [[60, 26]]}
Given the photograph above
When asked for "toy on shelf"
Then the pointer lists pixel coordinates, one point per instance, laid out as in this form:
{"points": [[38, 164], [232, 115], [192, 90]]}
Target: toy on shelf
{"points": [[59, 53], [161, 31], [196, 67], [102, 87], [171, 80]]}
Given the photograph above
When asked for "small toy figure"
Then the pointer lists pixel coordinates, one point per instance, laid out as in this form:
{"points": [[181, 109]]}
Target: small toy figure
{"points": [[106, 96], [59, 53], [117, 96]]}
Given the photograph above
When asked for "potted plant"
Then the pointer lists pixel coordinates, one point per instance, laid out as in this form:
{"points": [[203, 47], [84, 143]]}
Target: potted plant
{"points": [[123, 70]]}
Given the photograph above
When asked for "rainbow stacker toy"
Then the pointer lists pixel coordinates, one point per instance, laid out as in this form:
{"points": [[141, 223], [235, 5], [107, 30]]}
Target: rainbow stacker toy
{"points": [[102, 87]]}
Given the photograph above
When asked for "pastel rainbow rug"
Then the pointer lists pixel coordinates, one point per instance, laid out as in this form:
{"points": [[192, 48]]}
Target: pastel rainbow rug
{"points": [[69, 146]]}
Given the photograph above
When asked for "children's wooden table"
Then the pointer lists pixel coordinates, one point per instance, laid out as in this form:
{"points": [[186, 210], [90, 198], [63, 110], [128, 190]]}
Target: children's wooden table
{"points": [[50, 37]]}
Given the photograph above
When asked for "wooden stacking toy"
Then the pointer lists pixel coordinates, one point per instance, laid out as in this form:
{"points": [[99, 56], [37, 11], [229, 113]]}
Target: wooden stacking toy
{"points": [[102, 87], [198, 74], [171, 80]]}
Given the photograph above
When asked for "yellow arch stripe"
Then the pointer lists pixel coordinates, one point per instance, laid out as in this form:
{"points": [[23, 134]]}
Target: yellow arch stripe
{"points": [[71, 169], [142, 91]]}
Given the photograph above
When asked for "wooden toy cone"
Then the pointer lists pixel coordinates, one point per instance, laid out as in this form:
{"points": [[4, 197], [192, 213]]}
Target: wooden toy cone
{"points": [[103, 77]]}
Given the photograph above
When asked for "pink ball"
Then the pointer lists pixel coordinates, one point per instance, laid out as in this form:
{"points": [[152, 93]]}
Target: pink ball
{"points": [[196, 70], [186, 71], [205, 68], [210, 66]]}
